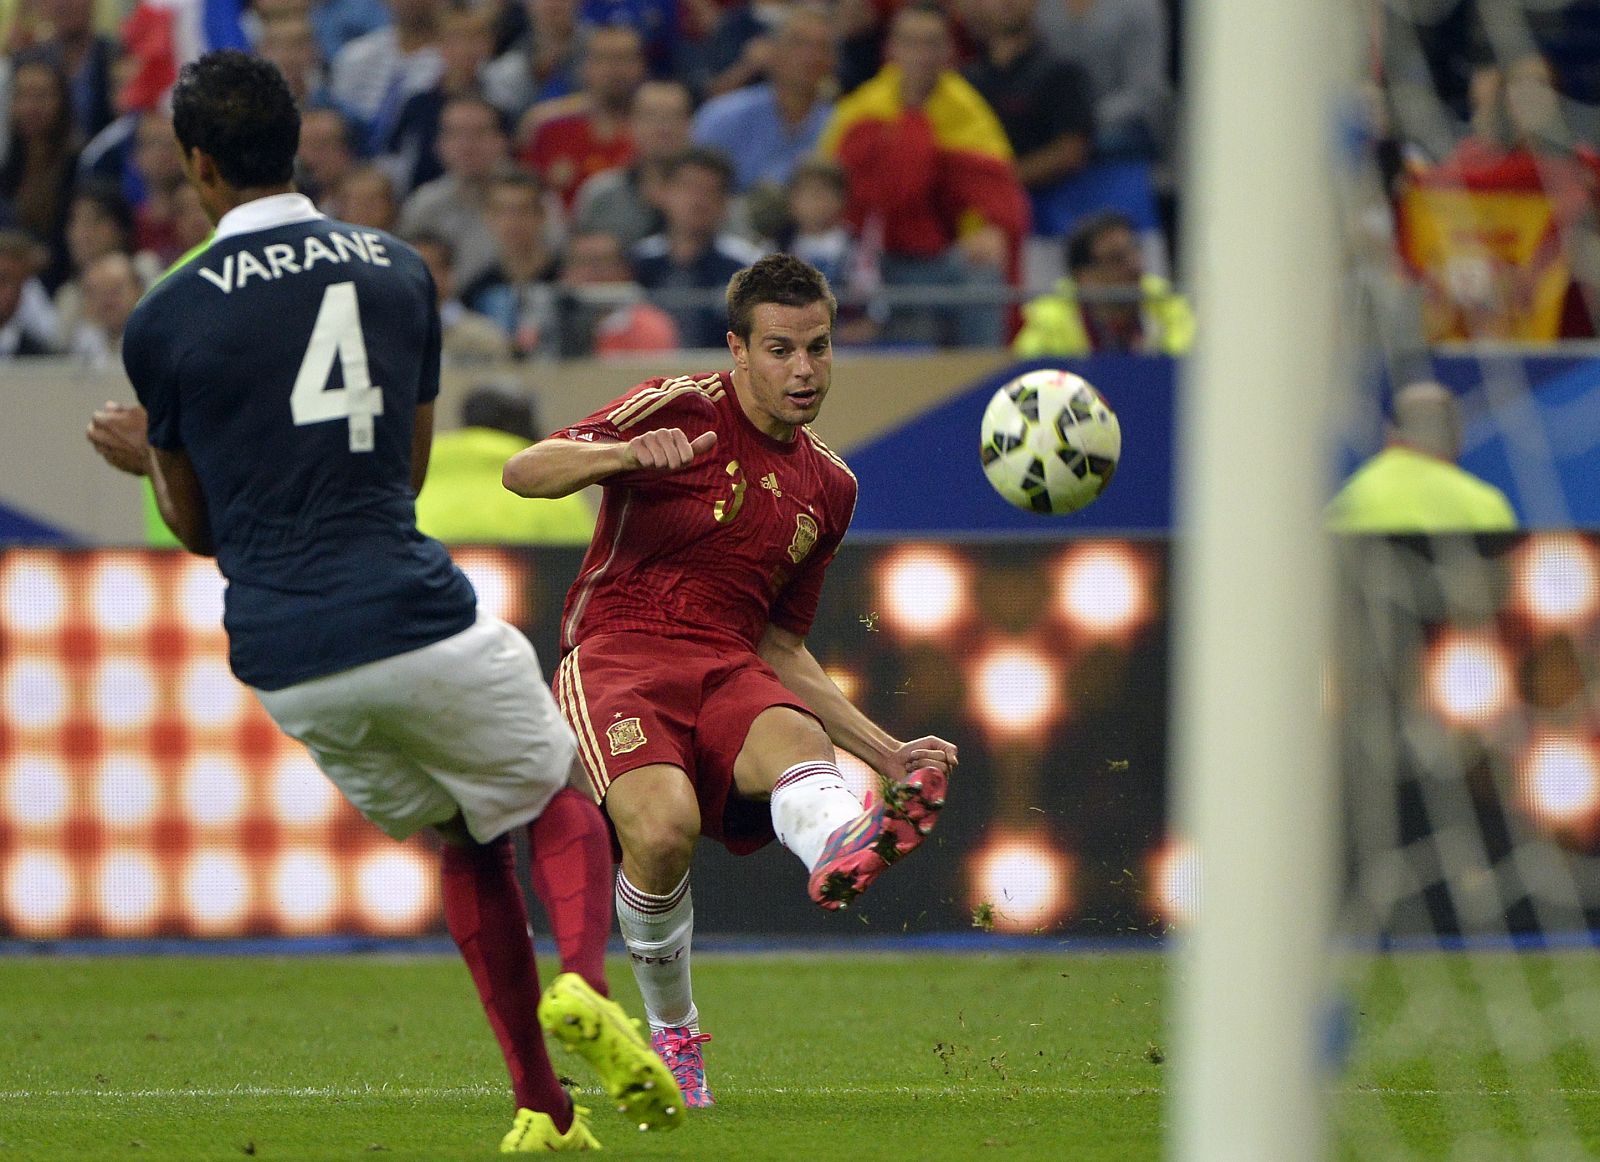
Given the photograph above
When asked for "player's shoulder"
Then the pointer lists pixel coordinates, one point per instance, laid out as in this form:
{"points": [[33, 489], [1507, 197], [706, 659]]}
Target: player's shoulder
{"points": [[380, 245], [667, 401], [832, 463], [168, 300]]}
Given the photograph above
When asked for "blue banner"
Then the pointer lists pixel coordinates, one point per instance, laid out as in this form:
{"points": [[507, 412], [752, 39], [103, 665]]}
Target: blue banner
{"points": [[1532, 430]]}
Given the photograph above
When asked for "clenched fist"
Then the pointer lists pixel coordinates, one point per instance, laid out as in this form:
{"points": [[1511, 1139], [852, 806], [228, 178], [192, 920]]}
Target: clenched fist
{"points": [[118, 433]]}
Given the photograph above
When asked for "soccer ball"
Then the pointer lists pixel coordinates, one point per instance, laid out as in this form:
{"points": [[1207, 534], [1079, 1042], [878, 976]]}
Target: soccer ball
{"points": [[1050, 442]]}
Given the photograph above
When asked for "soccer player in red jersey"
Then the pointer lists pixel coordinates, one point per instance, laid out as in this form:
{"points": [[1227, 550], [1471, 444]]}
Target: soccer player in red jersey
{"points": [[698, 708]]}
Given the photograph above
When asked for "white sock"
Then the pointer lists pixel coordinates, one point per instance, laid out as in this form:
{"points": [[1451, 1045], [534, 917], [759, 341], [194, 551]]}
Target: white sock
{"points": [[657, 931], [809, 803]]}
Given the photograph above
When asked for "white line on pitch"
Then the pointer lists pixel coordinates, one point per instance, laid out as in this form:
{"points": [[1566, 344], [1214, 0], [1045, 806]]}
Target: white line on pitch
{"points": [[397, 1091]]}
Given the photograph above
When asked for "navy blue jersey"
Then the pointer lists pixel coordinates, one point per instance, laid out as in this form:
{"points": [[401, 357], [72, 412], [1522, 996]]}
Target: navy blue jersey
{"points": [[287, 361]]}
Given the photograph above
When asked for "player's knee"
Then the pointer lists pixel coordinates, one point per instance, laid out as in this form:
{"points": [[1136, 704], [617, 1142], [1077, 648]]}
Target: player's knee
{"points": [[656, 816], [667, 828]]}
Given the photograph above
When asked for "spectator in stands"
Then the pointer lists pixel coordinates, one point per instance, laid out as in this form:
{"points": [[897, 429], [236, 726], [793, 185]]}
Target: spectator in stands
{"points": [[338, 22], [565, 150], [109, 153], [83, 56], [327, 154], [656, 22], [1521, 144], [157, 175], [289, 41], [932, 175], [693, 252], [463, 501], [373, 75], [729, 46], [1414, 485], [366, 197], [626, 199], [473, 147], [768, 128], [1042, 99], [817, 231], [600, 307], [815, 228], [542, 65], [41, 161], [518, 291], [99, 222], [1108, 303], [111, 289], [27, 321], [465, 41], [465, 336], [1122, 46]]}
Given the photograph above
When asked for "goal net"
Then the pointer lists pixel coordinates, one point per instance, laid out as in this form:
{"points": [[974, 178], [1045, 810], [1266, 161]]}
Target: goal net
{"points": [[1443, 869]]}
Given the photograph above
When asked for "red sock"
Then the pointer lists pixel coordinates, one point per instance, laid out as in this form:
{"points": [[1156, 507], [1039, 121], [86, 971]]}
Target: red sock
{"points": [[569, 856], [487, 918]]}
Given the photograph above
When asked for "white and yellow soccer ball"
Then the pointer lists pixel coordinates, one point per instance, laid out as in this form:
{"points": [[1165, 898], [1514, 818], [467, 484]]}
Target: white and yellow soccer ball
{"points": [[1050, 442]]}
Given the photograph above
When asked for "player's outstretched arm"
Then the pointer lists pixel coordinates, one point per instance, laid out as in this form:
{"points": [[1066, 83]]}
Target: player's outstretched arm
{"points": [[847, 726], [558, 466]]}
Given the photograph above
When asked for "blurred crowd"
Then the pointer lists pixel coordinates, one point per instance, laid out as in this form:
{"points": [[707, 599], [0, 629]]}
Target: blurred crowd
{"points": [[583, 176], [1481, 131]]}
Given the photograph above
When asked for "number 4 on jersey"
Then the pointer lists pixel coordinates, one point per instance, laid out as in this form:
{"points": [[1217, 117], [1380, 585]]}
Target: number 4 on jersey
{"points": [[337, 334]]}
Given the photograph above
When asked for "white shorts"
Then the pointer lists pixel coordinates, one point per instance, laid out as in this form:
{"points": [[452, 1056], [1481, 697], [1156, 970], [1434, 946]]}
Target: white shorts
{"points": [[463, 726]]}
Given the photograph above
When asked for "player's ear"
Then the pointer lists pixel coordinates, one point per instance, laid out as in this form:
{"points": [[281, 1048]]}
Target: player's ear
{"points": [[198, 167]]}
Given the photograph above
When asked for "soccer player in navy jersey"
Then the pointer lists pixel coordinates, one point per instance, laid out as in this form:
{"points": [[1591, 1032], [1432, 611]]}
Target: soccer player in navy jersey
{"points": [[685, 673], [287, 374]]}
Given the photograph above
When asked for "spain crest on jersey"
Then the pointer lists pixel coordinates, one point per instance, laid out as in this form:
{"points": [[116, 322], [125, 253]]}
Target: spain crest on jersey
{"points": [[625, 735], [805, 537]]}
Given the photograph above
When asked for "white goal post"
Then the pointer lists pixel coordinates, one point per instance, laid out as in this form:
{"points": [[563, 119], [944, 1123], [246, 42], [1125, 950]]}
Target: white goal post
{"points": [[1253, 778]]}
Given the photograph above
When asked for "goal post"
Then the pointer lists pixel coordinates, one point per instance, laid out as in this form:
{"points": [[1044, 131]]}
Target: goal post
{"points": [[1253, 778]]}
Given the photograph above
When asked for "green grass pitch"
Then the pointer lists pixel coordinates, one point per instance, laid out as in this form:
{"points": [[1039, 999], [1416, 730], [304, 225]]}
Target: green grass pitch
{"points": [[876, 1055], [880, 1055]]}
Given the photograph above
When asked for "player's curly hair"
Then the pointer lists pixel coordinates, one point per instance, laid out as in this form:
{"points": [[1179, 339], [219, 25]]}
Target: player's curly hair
{"points": [[237, 109], [777, 278]]}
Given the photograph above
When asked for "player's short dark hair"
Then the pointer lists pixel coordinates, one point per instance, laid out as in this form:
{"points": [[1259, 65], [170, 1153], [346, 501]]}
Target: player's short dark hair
{"points": [[1087, 231], [777, 278], [237, 109]]}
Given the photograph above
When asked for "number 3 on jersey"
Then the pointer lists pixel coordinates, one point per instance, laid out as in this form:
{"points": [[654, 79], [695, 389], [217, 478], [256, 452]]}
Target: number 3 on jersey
{"points": [[337, 334]]}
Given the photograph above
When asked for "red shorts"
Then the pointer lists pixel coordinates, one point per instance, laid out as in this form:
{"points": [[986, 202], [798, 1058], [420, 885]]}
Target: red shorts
{"points": [[636, 699]]}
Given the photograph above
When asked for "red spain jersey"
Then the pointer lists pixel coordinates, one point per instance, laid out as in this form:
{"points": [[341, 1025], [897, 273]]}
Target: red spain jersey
{"points": [[719, 550]]}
